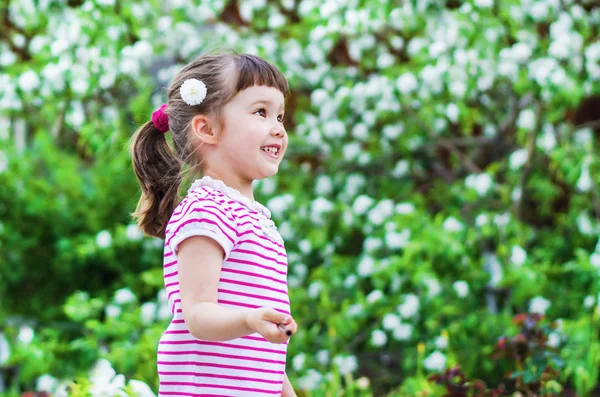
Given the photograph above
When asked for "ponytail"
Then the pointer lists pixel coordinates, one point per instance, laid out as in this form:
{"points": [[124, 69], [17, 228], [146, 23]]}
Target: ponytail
{"points": [[158, 171]]}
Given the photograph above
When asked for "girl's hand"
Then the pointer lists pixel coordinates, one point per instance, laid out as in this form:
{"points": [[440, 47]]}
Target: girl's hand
{"points": [[273, 326]]}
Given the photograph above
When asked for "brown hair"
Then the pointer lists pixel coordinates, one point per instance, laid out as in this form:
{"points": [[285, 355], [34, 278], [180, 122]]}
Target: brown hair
{"points": [[158, 168]]}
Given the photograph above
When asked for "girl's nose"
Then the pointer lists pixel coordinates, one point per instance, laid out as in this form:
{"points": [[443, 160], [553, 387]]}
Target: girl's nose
{"points": [[278, 131]]}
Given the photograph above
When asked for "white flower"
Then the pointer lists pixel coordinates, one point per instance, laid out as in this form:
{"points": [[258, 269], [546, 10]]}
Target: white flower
{"points": [[4, 349], [539, 10], [436, 361], [381, 211], [279, 204], [315, 288], [319, 208], [493, 267], [406, 83], [462, 288], [354, 310], [28, 81], [105, 381], [452, 225], [452, 112], [595, 260], [502, 220], [276, 20], [481, 183], [409, 307], [161, 297], [164, 312], [484, 3], [441, 342], [26, 334], [351, 150], [584, 183], [384, 60], [553, 340], [361, 204], [391, 321], [305, 246], [46, 383], [323, 357], [103, 239], [360, 131], [526, 119], [7, 57], [547, 140], [363, 383], [141, 388], [481, 220], [366, 266], [433, 287], [133, 232], [372, 244], [589, 301], [374, 296], [584, 223], [298, 361], [350, 281], [400, 169], [345, 364], [313, 378], [124, 296], [402, 332], [112, 311], [323, 185], [396, 240], [378, 338], [148, 312], [193, 91], [539, 305], [516, 194], [521, 52], [518, 158], [404, 208], [518, 256], [319, 97], [583, 137], [392, 131]]}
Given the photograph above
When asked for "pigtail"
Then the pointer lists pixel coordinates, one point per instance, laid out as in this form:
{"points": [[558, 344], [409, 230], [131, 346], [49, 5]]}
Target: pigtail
{"points": [[158, 171]]}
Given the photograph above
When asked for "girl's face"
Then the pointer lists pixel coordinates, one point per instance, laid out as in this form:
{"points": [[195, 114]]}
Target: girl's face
{"points": [[253, 139]]}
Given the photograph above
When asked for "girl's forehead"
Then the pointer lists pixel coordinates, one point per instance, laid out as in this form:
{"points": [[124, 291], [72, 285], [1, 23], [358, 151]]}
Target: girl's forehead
{"points": [[262, 93]]}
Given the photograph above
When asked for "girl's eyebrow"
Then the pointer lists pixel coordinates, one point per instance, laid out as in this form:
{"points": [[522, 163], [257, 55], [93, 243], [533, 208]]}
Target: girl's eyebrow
{"points": [[267, 102]]}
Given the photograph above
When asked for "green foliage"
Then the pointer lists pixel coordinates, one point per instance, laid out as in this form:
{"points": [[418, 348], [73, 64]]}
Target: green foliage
{"points": [[442, 177]]}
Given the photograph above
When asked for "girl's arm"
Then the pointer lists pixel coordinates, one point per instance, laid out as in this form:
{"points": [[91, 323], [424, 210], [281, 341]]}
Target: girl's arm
{"points": [[200, 260], [288, 390]]}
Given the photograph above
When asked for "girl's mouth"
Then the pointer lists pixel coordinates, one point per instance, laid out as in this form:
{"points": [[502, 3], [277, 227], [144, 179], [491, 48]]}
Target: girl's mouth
{"points": [[271, 150]]}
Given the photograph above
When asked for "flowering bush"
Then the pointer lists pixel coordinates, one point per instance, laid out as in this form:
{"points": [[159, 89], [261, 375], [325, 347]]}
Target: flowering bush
{"points": [[442, 177]]}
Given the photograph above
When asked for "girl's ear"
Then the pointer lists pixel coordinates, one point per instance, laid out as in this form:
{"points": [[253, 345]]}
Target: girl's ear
{"points": [[203, 129]]}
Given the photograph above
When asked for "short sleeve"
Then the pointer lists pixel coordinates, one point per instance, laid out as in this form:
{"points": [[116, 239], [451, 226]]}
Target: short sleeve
{"points": [[202, 217]]}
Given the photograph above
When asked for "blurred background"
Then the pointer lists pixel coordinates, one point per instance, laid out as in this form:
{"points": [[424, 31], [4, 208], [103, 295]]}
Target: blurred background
{"points": [[439, 200]]}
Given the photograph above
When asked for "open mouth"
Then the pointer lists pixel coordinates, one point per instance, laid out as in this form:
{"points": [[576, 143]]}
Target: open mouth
{"points": [[272, 150]]}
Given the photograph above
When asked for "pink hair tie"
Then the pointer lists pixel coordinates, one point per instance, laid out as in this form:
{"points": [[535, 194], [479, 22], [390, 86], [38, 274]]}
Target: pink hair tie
{"points": [[160, 119]]}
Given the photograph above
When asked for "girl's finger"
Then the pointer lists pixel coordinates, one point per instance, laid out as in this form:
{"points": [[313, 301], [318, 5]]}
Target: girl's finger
{"points": [[284, 329]]}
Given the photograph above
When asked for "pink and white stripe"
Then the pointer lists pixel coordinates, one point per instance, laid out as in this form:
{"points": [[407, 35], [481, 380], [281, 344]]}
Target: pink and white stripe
{"points": [[254, 274]]}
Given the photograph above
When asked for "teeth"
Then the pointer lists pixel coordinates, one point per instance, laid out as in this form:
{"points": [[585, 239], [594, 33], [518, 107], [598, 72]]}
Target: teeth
{"points": [[270, 149]]}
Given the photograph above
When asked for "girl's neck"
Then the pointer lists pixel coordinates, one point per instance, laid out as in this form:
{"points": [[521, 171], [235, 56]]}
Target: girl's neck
{"points": [[240, 184]]}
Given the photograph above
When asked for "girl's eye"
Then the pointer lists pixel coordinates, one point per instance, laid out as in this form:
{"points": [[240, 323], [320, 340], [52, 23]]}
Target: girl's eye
{"points": [[281, 118], [261, 112]]}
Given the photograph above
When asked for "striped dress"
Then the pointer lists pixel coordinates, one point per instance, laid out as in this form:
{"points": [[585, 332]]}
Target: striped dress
{"points": [[253, 274]]}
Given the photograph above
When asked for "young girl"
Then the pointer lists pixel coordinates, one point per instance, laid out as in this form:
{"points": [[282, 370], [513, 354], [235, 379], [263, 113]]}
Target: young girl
{"points": [[225, 263]]}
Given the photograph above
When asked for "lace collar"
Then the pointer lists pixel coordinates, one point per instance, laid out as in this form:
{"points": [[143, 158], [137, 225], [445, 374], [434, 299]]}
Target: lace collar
{"points": [[232, 194]]}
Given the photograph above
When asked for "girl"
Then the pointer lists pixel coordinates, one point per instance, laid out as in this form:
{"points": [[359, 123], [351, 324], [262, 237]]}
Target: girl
{"points": [[225, 263]]}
